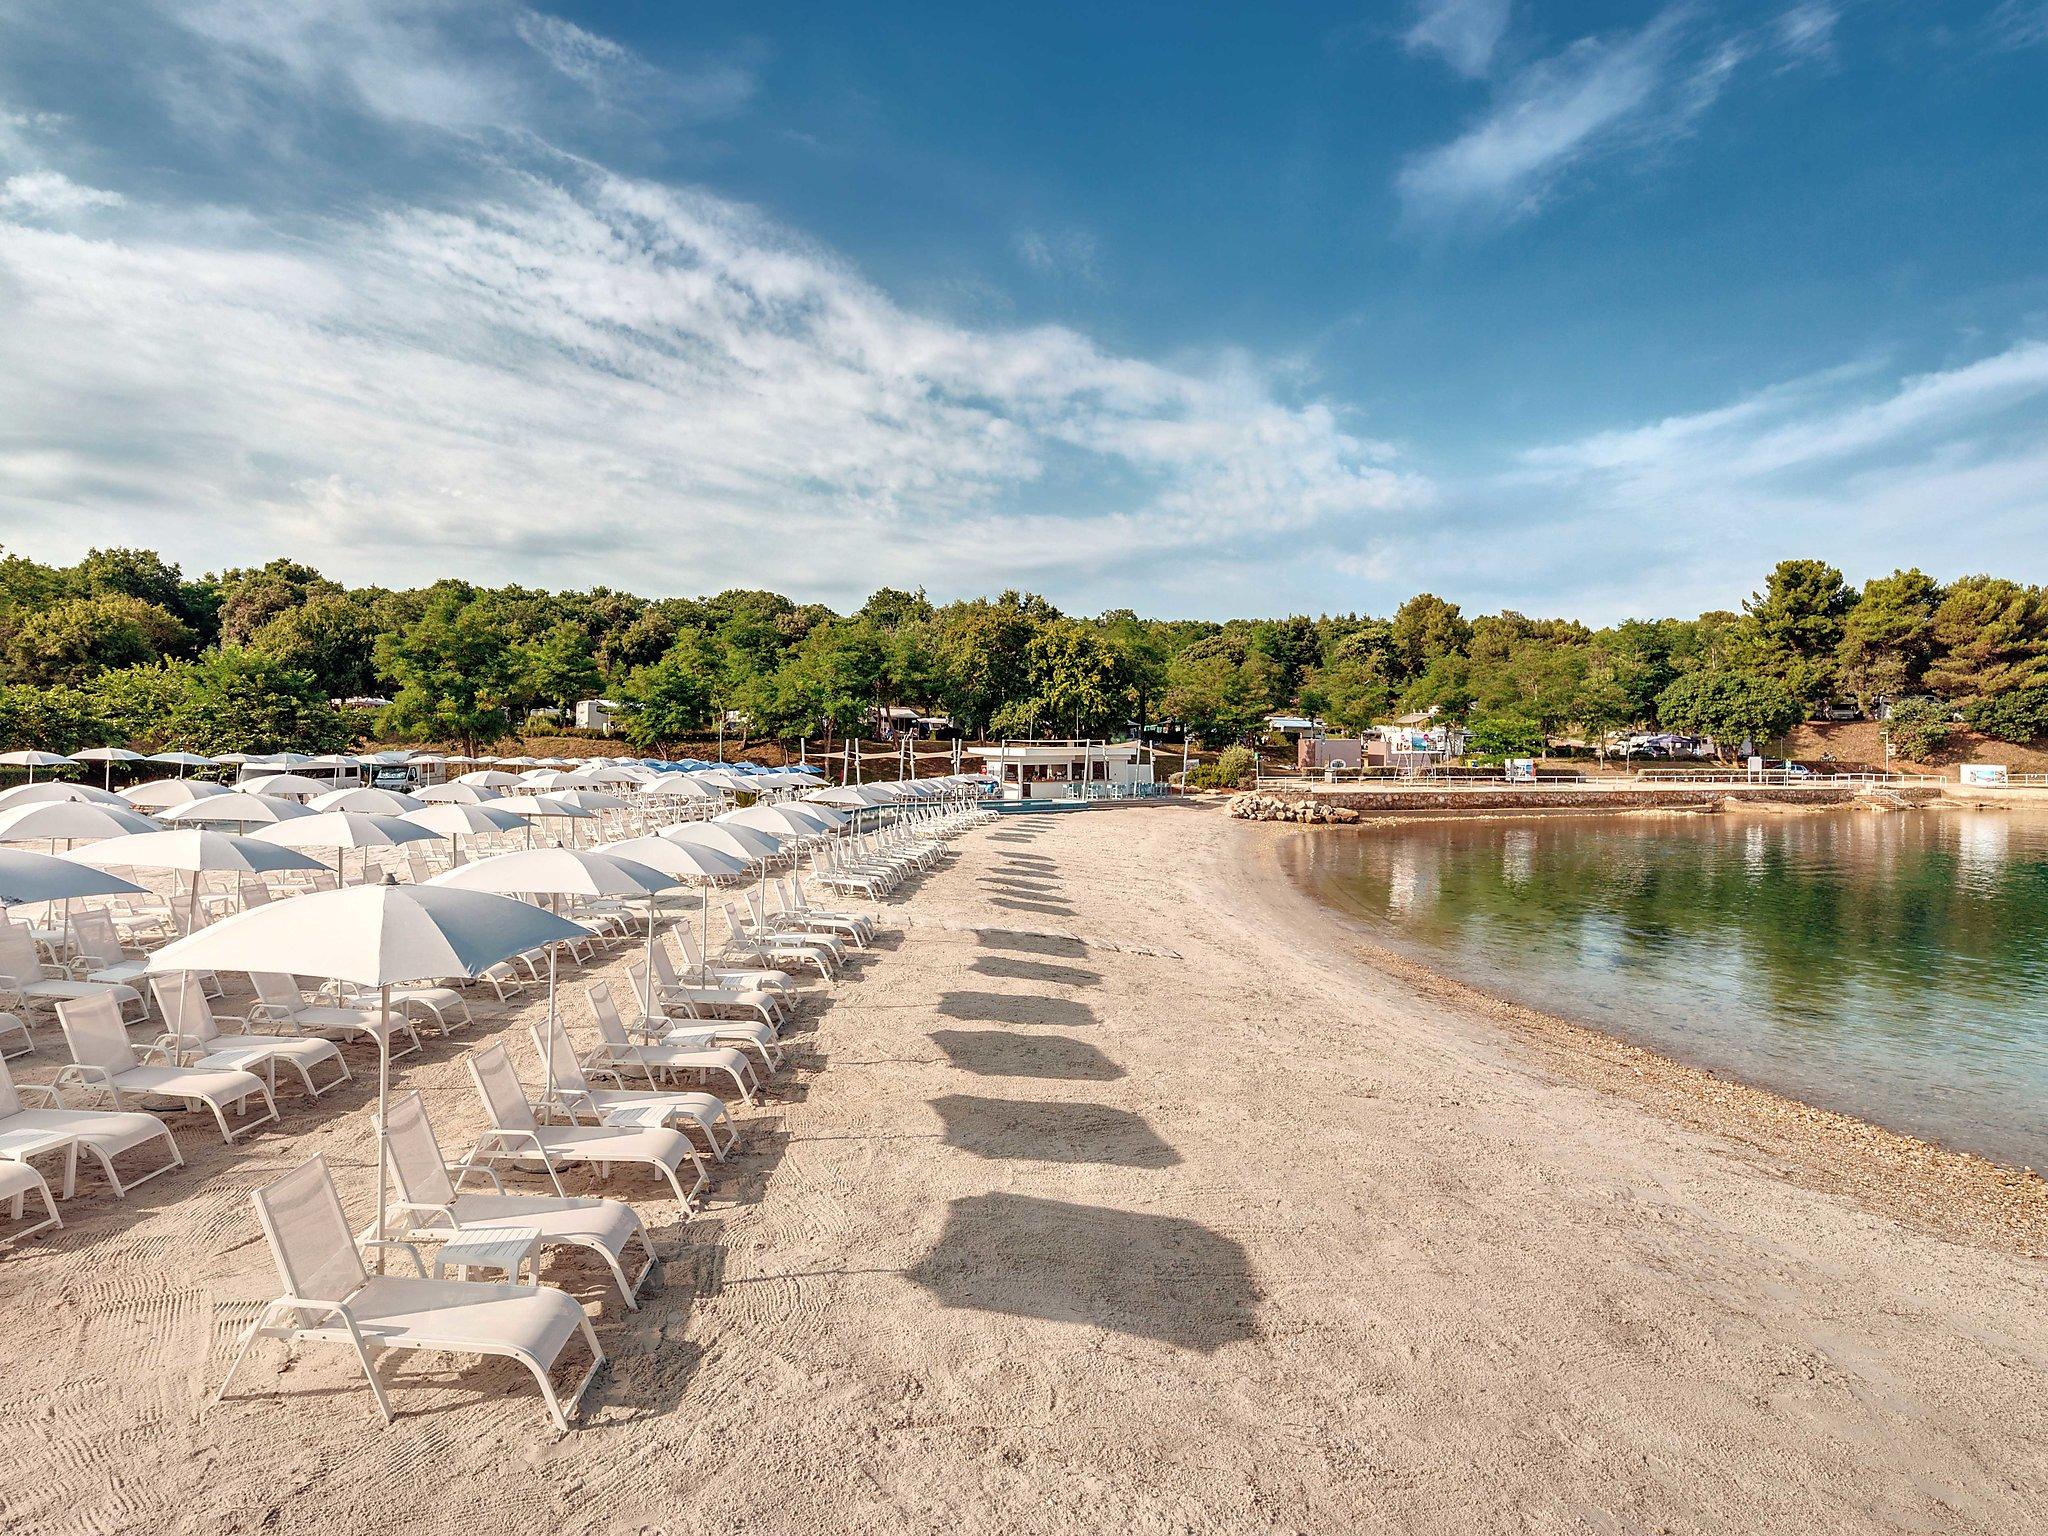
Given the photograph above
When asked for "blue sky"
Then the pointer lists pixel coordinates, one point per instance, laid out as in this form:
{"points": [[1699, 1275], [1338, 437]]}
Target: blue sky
{"points": [[1593, 309]]}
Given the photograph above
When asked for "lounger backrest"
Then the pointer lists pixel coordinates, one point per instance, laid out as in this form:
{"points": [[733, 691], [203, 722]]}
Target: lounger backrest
{"points": [[93, 936], [308, 1234], [754, 907], [95, 1033], [609, 1026], [182, 1002], [733, 924], [277, 990], [643, 986], [688, 942], [10, 1101], [498, 1086], [664, 968], [568, 1071], [414, 1153], [18, 956]]}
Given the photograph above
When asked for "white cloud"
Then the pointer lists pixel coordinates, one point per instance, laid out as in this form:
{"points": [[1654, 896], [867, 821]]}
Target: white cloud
{"points": [[1060, 253], [2019, 24], [51, 194], [1554, 113], [604, 379], [1464, 33], [1851, 463], [1807, 30]]}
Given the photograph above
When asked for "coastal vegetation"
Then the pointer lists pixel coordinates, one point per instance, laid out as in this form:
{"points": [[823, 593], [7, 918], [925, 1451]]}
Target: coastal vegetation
{"points": [[124, 646]]}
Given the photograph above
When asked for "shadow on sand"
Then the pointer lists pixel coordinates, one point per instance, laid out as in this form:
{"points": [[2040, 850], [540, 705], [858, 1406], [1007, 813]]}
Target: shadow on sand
{"points": [[1004, 1053], [1052, 1133], [1153, 1277], [1036, 970], [1010, 1008]]}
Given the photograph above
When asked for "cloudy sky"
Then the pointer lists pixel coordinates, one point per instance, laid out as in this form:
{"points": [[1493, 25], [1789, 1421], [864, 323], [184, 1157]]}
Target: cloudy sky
{"points": [[1584, 308]]}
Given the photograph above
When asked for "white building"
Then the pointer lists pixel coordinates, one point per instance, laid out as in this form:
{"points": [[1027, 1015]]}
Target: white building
{"points": [[1063, 770], [595, 715]]}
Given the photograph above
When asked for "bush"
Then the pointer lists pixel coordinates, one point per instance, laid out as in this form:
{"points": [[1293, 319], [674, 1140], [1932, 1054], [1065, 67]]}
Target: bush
{"points": [[1237, 768], [1495, 738], [2019, 716], [1917, 727]]}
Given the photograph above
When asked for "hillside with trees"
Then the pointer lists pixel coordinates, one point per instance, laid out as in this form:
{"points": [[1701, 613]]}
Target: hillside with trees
{"points": [[123, 647]]}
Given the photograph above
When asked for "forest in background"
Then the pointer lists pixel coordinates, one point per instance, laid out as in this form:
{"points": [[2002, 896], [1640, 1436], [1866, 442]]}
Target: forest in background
{"points": [[124, 648]]}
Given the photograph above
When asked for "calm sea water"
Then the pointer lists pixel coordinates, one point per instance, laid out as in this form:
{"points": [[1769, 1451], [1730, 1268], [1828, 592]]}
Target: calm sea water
{"points": [[1891, 966]]}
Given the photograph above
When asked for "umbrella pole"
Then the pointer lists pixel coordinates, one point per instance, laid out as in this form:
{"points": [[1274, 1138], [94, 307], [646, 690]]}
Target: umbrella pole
{"points": [[383, 1102], [548, 1055], [704, 949]]}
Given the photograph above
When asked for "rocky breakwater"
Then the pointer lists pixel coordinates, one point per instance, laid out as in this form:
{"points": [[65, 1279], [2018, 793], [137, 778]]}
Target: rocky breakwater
{"points": [[1253, 806]]}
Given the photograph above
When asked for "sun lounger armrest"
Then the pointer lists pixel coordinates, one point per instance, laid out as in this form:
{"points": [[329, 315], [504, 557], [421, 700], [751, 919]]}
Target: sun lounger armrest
{"points": [[270, 1013], [83, 1075], [426, 1215], [569, 1100], [497, 1134], [462, 1170], [46, 1091], [159, 1048], [398, 1243]]}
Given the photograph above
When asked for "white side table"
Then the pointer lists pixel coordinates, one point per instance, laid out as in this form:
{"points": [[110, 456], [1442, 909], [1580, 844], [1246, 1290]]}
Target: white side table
{"points": [[20, 1146], [503, 1248]]}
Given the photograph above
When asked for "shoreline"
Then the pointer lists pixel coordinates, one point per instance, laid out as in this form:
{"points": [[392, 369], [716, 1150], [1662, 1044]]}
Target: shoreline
{"points": [[1954, 1195]]}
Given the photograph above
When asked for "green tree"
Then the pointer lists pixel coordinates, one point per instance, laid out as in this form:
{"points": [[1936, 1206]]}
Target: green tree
{"points": [[1888, 637], [251, 599], [1074, 681], [76, 639], [1990, 637], [1494, 738], [1730, 707], [235, 700], [671, 700], [329, 638], [1218, 691], [558, 668], [1426, 629], [2018, 715], [1917, 728], [456, 675], [1795, 626], [1348, 695], [49, 720]]}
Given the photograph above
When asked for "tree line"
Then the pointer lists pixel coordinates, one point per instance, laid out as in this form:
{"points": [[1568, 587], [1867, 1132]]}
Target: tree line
{"points": [[124, 647]]}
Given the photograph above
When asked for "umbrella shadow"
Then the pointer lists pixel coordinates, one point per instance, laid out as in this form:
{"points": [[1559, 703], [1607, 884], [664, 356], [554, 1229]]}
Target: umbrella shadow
{"points": [[1005, 1053], [1036, 970], [1016, 1008], [1029, 1130], [1152, 1277]]}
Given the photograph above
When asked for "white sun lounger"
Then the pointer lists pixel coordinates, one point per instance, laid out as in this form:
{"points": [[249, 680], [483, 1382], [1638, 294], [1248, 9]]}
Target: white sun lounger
{"points": [[104, 1134], [432, 1207], [746, 978], [516, 1136], [330, 1299], [190, 1029], [681, 1108], [26, 983], [279, 1002], [617, 1048], [748, 942], [17, 1182], [698, 1000], [102, 1057]]}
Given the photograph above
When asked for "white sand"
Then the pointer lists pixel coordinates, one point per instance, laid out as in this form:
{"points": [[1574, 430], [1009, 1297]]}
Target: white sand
{"points": [[1239, 1235]]}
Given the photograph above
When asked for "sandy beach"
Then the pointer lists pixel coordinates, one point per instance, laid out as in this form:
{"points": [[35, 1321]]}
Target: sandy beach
{"points": [[1120, 1189]]}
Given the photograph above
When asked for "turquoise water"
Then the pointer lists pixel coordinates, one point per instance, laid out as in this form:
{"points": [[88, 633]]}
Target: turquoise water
{"points": [[1891, 966]]}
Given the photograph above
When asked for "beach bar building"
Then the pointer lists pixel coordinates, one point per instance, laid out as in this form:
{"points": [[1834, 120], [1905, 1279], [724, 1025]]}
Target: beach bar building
{"points": [[1064, 770]]}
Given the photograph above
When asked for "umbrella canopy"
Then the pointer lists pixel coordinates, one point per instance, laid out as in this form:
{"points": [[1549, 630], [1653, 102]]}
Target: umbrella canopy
{"points": [[67, 821], [677, 786], [540, 805], [588, 799], [558, 872], [374, 802], [243, 809], [287, 784], [51, 789], [685, 861], [31, 759], [852, 797], [746, 843], [620, 776], [460, 820], [162, 794], [489, 778], [784, 820], [191, 850], [725, 778], [27, 877], [343, 829], [458, 794], [106, 755], [184, 759]]}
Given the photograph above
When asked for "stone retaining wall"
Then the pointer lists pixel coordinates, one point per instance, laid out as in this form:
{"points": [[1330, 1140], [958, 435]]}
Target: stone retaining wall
{"points": [[1339, 807]]}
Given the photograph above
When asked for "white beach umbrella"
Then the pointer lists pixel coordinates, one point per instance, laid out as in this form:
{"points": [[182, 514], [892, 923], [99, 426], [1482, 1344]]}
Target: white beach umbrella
{"points": [[619, 777], [373, 936], [783, 820], [458, 794], [286, 786], [239, 809], [691, 863], [162, 794], [723, 778], [343, 830], [233, 758], [852, 797], [588, 799], [56, 790], [68, 821], [107, 756], [31, 759], [676, 786], [27, 878], [374, 802], [193, 851], [459, 821], [535, 808], [490, 778]]}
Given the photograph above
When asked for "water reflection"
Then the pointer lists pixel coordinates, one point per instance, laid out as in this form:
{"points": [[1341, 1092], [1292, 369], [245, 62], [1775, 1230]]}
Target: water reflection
{"points": [[1891, 965]]}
